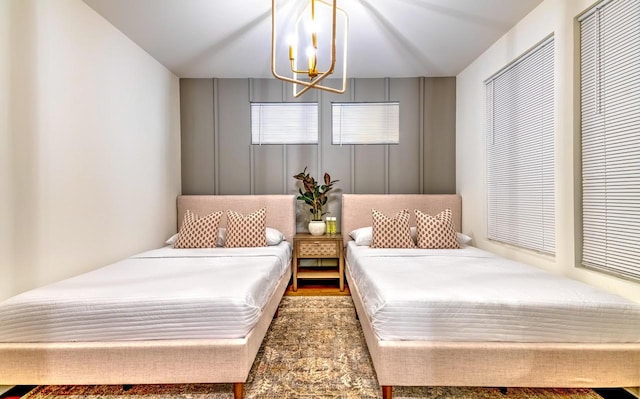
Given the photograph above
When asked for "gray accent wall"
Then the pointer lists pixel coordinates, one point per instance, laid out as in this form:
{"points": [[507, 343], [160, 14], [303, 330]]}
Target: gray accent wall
{"points": [[218, 158]]}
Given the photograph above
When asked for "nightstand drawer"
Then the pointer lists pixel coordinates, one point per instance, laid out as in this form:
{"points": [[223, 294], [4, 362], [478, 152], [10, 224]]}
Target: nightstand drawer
{"points": [[318, 248]]}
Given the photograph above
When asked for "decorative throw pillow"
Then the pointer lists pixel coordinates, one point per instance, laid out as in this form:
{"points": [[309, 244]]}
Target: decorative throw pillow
{"points": [[246, 231], [198, 232], [391, 232], [436, 232]]}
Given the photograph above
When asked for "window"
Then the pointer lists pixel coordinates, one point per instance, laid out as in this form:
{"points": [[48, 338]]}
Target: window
{"points": [[284, 123], [520, 159], [365, 123], [610, 116]]}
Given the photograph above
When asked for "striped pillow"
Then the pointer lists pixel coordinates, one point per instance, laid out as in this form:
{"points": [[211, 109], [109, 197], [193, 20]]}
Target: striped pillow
{"points": [[391, 232], [198, 232], [436, 232], [246, 231]]}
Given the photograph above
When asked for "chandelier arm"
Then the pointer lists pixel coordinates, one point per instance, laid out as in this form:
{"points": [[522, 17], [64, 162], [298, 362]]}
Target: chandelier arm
{"points": [[273, 39], [314, 83]]}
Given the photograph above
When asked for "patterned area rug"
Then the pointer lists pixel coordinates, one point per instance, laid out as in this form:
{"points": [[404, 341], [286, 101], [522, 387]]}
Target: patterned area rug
{"points": [[314, 349]]}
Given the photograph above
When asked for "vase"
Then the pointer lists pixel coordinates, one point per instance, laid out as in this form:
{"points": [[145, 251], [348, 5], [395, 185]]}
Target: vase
{"points": [[317, 227]]}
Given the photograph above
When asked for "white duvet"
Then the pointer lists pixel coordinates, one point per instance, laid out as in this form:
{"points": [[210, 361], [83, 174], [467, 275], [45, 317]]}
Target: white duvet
{"points": [[472, 295], [160, 294]]}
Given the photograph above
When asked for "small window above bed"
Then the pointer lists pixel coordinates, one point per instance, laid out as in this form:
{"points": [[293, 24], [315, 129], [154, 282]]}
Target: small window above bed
{"points": [[365, 123], [284, 123]]}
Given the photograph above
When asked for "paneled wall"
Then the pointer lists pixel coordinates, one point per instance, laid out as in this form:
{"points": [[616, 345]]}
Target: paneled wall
{"points": [[218, 158]]}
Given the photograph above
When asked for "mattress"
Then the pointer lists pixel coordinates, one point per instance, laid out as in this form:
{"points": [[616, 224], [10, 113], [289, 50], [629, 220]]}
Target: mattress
{"points": [[160, 294], [470, 295]]}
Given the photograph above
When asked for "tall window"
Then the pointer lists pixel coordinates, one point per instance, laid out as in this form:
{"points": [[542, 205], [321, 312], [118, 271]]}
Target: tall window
{"points": [[365, 123], [610, 116], [520, 159], [284, 123]]}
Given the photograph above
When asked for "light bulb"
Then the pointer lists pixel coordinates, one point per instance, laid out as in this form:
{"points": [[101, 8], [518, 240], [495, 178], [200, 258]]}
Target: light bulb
{"points": [[311, 52], [292, 40]]}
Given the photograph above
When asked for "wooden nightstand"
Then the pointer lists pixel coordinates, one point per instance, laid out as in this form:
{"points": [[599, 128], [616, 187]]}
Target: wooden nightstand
{"points": [[306, 246]]}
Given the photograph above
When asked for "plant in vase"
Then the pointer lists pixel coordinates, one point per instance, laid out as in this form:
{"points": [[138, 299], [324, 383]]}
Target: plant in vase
{"points": [[315, 195]]}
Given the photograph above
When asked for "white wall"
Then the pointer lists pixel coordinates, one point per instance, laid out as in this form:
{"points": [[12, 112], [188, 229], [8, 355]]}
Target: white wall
{"points": [[556, 17], [6, 184], [94, 145]]}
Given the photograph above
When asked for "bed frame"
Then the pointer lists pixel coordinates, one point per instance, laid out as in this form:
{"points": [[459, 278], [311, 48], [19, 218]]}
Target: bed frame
{"points": [[158, 361], [494, 364]]}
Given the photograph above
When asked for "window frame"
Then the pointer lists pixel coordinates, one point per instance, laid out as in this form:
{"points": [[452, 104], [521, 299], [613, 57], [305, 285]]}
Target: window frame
{"points": [[289, 110], [514, 215], [359, 139], [609, 108]]}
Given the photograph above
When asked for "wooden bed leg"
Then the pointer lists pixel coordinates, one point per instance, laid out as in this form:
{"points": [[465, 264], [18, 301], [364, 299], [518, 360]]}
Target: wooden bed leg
{"points": [[238, 389], [387, 392]]}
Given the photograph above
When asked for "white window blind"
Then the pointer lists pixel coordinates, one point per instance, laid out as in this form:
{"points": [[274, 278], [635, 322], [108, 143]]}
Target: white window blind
{"points": [[520, 158], [284, 123], [365, 123], [610, 113]]}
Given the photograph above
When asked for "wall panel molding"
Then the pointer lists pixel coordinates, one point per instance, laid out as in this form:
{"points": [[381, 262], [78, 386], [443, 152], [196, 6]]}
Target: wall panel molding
{"points": [[423, 162], [216, 138]]}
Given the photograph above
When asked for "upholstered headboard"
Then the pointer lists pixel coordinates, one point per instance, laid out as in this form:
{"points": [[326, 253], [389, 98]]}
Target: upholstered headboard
{"points": [[281, 209], [356, 208]]}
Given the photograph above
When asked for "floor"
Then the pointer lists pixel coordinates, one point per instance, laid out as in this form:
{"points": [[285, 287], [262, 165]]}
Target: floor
{"points": [[317, 288]]}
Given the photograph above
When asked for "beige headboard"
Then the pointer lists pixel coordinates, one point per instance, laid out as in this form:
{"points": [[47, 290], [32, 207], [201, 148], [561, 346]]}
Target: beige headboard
{"points": [[356, 208], [281, 209]]}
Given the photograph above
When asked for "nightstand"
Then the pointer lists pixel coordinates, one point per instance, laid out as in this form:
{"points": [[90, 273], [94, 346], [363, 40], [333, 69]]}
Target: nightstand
{"points": [[306, 246]]}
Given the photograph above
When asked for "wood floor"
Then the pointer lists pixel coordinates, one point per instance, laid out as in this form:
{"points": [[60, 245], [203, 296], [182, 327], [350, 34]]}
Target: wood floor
{"points": [[317, 288]]}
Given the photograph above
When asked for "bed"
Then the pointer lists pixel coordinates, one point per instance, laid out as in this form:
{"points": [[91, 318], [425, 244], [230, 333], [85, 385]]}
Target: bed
{"points": [[168, 354], [443, 353]]}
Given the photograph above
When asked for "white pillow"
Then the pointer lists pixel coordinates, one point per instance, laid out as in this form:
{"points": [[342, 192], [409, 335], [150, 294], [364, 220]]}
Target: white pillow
{"points": [[172, 240], [364, 235], [463, 239], [222, 235], [274, 237]]}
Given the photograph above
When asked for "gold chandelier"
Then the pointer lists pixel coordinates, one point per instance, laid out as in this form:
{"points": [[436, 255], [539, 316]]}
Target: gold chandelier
{"points": [[317, 14]]}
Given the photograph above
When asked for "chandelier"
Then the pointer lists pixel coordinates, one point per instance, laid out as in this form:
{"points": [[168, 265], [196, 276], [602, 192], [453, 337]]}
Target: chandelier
{"points": [[314, 29]]}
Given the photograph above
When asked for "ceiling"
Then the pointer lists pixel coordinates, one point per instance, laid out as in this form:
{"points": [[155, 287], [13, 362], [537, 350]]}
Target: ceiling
{"points": [[387, 38]]}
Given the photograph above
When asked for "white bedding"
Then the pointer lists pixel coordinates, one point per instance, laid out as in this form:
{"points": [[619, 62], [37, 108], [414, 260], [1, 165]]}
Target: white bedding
{"points": [[470, 295], [160, 294]]}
